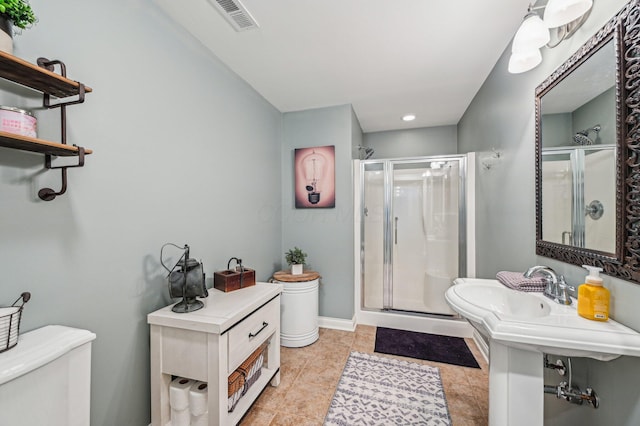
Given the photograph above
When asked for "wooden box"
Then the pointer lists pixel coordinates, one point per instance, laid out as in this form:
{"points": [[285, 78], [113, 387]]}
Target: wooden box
{"points": [[229, 280]]}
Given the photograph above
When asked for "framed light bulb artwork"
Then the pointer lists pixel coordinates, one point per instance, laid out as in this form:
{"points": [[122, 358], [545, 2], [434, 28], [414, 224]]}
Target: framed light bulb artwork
{"points": [[315, 177]]}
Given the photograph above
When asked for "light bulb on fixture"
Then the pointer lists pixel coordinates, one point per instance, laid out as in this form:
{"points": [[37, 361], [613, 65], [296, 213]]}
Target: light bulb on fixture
{"points": [[408, 117], [561, 12], [314, 169], [524, 61], [532, 34]]}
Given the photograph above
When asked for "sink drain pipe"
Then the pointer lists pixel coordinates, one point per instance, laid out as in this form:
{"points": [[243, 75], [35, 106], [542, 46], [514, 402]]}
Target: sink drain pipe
{"points": [[566, 390]]}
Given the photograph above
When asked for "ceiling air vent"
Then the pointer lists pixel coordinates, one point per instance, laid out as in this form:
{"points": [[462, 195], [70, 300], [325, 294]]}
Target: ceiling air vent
{"points": [[236, 14]]}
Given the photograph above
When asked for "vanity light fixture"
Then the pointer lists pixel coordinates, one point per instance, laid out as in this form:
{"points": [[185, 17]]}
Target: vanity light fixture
{"points": [[563, 16], [408, 117]]}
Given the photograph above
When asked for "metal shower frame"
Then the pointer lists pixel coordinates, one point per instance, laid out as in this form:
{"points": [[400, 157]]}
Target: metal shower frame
{"points": [[388, 232]]}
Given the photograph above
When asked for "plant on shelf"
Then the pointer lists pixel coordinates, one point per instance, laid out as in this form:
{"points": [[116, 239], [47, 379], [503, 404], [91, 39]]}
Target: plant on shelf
{"points": [[296, 258], [19, 12], [14, 13]]}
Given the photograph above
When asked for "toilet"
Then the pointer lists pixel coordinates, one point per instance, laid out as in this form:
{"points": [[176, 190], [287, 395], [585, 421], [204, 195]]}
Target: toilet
{"points": [[46, 378]]}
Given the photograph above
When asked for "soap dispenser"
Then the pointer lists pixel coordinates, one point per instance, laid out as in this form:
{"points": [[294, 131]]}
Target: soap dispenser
{"points": [[593, 298]]}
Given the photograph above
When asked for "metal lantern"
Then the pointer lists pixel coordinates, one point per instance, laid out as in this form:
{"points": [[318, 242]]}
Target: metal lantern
{"points": [[186, 280]]}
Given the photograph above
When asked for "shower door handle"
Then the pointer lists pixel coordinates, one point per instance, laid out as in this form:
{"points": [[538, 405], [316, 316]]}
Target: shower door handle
{"points": [[395, 231]]}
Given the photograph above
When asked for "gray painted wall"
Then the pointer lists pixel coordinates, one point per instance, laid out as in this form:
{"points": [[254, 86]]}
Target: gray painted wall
{"points": [[600, 110], [326, 235], [558, 129], [184, 152], [441, 140], [502, 116], [357, 137]]}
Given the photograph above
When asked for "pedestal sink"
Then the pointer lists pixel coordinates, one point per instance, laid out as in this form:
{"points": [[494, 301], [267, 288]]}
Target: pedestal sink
{"points": [[521, 327], [503, 302]]}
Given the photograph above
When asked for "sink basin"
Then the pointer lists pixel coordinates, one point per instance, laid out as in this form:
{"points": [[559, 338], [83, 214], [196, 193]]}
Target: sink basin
{"points": [[505, 303], [532, 322]]}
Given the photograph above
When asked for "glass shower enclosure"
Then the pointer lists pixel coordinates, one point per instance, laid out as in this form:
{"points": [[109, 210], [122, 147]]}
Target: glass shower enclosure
{"points": [[412, 232]]}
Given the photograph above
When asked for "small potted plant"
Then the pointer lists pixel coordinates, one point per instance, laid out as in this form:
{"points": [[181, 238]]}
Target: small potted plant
{"points": [[14, 13], [296, 258]]}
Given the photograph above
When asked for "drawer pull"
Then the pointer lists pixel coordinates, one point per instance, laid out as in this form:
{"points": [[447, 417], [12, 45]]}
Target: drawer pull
{"points": [[264, 325]]}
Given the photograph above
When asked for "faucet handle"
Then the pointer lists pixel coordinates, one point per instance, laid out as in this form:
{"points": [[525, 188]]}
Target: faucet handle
{"points": [[563, 295], [563, 284]]}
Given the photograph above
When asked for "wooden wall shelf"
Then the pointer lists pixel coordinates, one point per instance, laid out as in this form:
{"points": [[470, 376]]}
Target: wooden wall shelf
{"points": [[41, 77], [42, 146], [30, 75]]}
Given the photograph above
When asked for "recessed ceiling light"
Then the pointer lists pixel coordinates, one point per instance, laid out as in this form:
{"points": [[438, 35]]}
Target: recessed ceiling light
{"points": [[408, 117]]}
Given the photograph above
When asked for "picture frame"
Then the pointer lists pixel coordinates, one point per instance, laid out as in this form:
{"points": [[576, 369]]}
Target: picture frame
{"points": [[314, 177]]}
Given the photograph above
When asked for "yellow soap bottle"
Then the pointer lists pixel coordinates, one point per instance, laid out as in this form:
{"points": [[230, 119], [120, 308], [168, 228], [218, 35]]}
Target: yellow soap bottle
{"points": [[593, 298]]}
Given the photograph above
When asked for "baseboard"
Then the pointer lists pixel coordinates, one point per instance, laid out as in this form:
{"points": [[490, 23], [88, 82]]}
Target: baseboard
{"points": [[481, 344], [446, 327], [423, 324], [337, 323]]}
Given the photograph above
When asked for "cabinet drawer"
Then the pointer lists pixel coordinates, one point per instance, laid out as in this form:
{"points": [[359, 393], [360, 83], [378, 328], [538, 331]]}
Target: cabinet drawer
{"points": [[251, 332]]}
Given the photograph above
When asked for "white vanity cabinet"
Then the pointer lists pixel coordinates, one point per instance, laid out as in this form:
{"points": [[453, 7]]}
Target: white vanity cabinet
{"points": [[209, 344]]}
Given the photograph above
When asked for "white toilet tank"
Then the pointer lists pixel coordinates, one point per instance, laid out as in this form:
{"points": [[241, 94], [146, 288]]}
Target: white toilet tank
{"points": [[46, 378]]}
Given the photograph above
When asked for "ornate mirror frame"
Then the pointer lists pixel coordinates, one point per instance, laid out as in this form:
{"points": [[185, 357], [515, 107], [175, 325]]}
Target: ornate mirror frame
{"points": [[624, 30]]}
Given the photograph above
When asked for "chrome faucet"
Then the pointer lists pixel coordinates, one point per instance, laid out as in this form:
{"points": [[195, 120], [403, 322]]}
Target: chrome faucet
{"points": [[556, 288]]}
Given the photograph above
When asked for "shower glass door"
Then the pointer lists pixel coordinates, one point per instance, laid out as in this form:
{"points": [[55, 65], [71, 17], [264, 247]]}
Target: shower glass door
{"points": [[373, 252], [413, 239]]}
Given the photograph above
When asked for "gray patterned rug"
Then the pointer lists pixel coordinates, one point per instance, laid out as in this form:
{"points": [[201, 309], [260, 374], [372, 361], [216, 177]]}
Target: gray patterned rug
{"points": [[377, 390]]}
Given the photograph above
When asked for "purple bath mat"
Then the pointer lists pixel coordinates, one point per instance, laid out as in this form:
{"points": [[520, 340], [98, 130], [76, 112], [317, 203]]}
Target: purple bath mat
{"points": [[430, 347]]}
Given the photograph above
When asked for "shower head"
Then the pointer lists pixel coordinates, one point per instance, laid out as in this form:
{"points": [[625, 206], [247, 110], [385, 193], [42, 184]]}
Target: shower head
{"points": [[368, 152], [365, 152], [582, 137]]}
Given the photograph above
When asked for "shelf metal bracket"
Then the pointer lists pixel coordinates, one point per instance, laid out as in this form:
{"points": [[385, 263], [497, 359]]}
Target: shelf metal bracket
{"points": [[50, 66], [48, 194]]}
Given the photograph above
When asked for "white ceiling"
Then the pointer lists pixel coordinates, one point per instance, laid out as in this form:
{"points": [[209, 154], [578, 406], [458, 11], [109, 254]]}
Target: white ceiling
{"points": [[385, 57]]}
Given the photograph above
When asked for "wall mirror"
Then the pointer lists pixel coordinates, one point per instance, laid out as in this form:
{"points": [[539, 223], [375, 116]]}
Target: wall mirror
{"points": [[588, 152]]}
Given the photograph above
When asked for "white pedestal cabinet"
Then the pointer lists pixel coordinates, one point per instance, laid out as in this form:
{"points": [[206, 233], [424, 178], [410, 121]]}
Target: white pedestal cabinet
{"points": [[209, 344]]}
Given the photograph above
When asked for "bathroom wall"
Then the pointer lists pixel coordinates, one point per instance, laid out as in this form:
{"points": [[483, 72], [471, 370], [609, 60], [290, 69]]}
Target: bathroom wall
{"points": [[357, 137], [439, 140], [558, 129], [184, 152], [326, 235], [502, 116], [600, 110]]}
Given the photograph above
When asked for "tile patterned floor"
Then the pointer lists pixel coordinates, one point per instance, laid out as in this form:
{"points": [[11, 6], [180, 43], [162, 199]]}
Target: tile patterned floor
{"points": [[309, 377]]}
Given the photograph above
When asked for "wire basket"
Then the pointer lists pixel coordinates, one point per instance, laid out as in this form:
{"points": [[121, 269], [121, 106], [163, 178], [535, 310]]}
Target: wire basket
{"points": [[235, 389], [244, 376], [251, 368], [10, 322]]}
